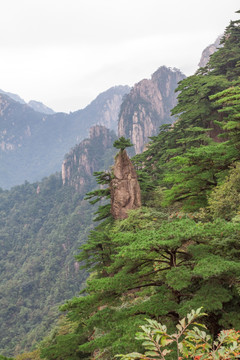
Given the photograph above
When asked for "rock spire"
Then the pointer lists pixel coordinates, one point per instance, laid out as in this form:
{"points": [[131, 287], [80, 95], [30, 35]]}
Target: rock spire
{"points": [[125, 189]]}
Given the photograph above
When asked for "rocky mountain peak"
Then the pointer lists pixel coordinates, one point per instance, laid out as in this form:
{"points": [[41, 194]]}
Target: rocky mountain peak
{"points": [[148, 106], [40, 107], [107, 106], [208, 51], [87, 157], [14, 97]]}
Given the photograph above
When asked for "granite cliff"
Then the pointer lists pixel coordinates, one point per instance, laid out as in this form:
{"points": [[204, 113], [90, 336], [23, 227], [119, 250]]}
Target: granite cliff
{"points": [[93, 154], [148, 106], [208, 51]]}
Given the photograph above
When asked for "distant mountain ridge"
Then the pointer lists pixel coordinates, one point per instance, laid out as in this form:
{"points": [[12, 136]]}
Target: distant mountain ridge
{"points": [[40, 107], [35, 105], [33, 144]]}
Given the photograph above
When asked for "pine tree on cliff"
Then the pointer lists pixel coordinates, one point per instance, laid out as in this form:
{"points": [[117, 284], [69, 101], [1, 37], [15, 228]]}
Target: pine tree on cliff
{"points": [[124, 187], [122, 143]]}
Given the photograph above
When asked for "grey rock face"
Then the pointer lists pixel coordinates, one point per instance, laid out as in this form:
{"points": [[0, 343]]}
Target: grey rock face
{"points": [[208, 51], [90, 155], [148, 105]]}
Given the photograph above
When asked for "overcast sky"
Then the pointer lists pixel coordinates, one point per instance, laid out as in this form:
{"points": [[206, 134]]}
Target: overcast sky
{"points": [[65, 52]]}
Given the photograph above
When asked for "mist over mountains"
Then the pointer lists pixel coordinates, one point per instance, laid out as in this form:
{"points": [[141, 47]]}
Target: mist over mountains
{"points": [[33, 144]]}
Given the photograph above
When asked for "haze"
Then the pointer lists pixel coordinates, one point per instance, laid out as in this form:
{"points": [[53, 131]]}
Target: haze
{"points": [[65, 52]]}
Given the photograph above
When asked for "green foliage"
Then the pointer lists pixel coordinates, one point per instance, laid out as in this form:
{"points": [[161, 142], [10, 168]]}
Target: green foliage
{"points": [[224, 201], [41, 227], [189, 342], [197, 172], [103, 178], [33, 355], [156, 267], [228, 100], [226, 60], [62, 343], [122, 143]]}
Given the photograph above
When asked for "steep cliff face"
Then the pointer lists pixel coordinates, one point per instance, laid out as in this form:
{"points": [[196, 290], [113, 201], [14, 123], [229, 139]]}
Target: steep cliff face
{"points": [[107, 107], [125, 189], [148, 106], [208, 51], [92, 154]]}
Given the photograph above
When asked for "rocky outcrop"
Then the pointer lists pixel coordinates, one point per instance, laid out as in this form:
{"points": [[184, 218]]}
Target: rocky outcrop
{"points": [[106, 107], [148, 106], [93, 154], [125, 189], [208, 51]]}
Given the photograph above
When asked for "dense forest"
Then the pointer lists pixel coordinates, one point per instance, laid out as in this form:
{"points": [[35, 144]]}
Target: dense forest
{"points": [[180, 250], [42, 226]]}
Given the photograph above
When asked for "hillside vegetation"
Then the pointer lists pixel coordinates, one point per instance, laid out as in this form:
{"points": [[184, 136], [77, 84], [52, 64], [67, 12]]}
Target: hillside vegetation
{"points": [[181, 250], [42, 226]]}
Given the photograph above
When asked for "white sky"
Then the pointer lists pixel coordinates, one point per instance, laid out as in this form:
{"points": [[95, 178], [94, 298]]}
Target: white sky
{"points": [[65, 52]]}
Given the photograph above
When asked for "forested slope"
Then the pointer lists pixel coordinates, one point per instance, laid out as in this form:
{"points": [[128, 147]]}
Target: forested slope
{"points": [[181, 249], [42, 226]]}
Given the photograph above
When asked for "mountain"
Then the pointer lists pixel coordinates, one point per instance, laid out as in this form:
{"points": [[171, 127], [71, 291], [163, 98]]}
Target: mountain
{"points": [[80, 164], [40, 107], [33, 144], [36, 105], [15, 97], [208, 51], [148, 106], [104, 110]]}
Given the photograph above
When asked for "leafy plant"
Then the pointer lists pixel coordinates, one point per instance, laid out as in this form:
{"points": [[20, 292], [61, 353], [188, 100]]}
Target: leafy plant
{"points": [[194, 343]]}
